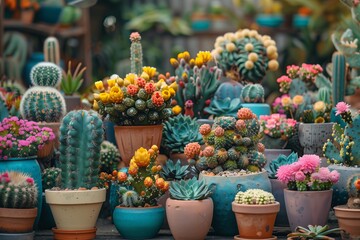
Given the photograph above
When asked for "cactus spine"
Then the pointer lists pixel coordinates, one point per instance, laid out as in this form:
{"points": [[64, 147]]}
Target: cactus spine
{"points": [[17, 190], [136, 55], [81, 135], [51, 50], [45, 74], [42, 104], [338, 77]]}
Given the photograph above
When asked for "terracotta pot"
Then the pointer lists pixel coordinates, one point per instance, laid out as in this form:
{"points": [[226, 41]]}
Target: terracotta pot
{"points": [[15, 220], [255, 221], [27, 16], [60, 234], [131, 138], [349, 221], [75, 209], [307, 207], [189, 219], [55, 126], [312, 136], [181, 156], [47, 150]]}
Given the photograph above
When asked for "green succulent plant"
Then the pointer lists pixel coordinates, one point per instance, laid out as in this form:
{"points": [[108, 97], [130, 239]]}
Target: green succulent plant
{"points": [[313, 232], [191, 189], [171, 171], [71, 82], [179, 131], [280, 161]]}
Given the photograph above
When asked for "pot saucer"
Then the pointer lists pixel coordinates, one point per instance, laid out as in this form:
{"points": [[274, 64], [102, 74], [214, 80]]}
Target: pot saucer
{"points": [[237, 237], [86, 234]]}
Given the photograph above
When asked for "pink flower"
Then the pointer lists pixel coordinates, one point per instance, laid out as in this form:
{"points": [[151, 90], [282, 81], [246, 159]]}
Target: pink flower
{"points": [[30, 181], [342, 107], [324, 173], [334, 176], [300, 176], [264, 117], [291, 122], [295, 167], [285, 174], [315, 176], [309, 162], [271, 123], [284, 78]]}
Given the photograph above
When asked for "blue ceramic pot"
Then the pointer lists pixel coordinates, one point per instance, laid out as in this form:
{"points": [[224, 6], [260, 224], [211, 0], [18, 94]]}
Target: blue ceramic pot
{"points": [[269, 20], [48, 14], [340, 192], [138, 223], [224, 222], [29, 166], [258, 108], [300, 21]]}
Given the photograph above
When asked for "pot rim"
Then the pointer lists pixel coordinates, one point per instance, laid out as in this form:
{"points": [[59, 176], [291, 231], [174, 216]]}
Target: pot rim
{"points": [[303, 192], [64, 197], [208, 199], [151, 207], [138, 126], [342, 167], [245, 175], [345, 208], [255, 209]]}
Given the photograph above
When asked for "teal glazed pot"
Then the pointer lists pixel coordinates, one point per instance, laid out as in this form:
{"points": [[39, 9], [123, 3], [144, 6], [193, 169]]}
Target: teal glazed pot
{"points": [[225, 189], [30, 166], [258, 108], [138, 223], [340, 192]]}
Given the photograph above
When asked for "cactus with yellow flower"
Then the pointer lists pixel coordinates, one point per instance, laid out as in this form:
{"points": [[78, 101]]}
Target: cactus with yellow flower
{"points": [[197, 80]]}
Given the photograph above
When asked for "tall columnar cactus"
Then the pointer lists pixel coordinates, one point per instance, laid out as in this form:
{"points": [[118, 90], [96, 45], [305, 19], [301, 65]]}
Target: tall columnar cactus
{"points": [[338, 77], [52, 50], [179, 131], [346, 146], [253, 93], [46, 74], [231, 144], [17, 190], [136, 55], [81, 135], [43, 104]]}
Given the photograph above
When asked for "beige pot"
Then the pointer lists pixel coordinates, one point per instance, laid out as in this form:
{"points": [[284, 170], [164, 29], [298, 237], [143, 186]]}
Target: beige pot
{"points": [[75, 210], [17, 220], [349, 220], [189, 219], [255, 221]]}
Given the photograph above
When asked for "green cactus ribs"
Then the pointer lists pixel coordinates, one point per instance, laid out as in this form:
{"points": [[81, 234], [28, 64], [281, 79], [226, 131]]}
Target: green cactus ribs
{"points": [[253, 93], [136, 54], [81, 135], [45, 74], [109, 157]]}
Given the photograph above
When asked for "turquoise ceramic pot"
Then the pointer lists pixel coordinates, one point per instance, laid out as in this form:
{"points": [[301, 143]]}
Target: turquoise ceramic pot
{"points": [[258, 108], [224, 222], [269, 20], [340, 192], [138, 223], [30, 166]]}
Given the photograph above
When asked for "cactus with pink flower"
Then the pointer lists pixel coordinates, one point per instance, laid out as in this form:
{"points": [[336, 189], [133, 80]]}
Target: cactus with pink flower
{"points": [[307, 175], [22, 138]]}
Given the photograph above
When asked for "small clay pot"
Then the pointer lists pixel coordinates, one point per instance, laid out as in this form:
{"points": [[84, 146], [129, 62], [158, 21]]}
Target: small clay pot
{"points": [[60, 234], [16, 220]]}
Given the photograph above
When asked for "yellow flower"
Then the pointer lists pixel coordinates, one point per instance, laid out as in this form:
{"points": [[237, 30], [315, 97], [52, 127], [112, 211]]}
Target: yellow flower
{"points": [[151, 71], [174, 62], [112, 80], [198, 62], [205, 56], [186, 56], [96, 96], [145, 76], [142, 157], [180, 56], [176, 110], [155, 148], [165, 94], [319, 106], [192, 63], [174, 85], [95, 105], [184, 76], [286, 101], [116, 95], [104, 97], [298, 99], [99, 85], [319, 120], [130, 77], [120, 82], [172, 91], [126, 82], [160, 84]]}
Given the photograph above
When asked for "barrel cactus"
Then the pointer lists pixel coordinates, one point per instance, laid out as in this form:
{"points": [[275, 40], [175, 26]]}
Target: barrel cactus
{"points": [[246, 55], [254, 197], [179, 131], [43, 104], [191, 189], [46, 74], [253, 93], [17, 190], [81, 135], [50, 177], [109, 157]]}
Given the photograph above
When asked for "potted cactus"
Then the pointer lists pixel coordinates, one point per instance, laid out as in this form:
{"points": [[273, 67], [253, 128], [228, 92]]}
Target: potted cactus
{"points": [[136, 104], [18, 205], [312, 232], [76, 205], [233, 156], [177, 132], [245, 56], [43, 103], [349, 215], [139, 191], [255, 211], [343, 153], [189, 209], [109, 157]]}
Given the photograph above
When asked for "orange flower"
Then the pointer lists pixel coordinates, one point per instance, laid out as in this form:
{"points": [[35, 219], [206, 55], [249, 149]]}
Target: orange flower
{"points": [[166, 186], [357, 184], [121, 176], [160, 183], [148, 182]]}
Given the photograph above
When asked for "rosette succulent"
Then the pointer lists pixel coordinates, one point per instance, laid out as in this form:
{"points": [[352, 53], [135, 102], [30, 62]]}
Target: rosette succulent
{"points": [[171, 171], [191, 189]]}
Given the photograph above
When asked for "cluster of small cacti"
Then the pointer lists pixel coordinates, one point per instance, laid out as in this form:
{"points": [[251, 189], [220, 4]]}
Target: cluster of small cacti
{"points": [[254, 197], [50, 178], [179, 131], [81, 135], [143, 186], [253, 93], [43, 102], [345, 149], [246, 55], [353, 187], [191, 189], [109, 157], [280, 161], [230, 144], [196, 79], [171, 171], [17, 190]]}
